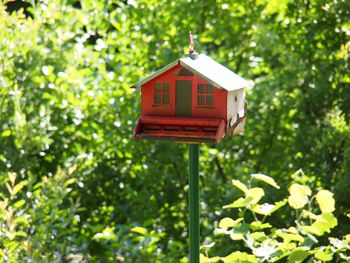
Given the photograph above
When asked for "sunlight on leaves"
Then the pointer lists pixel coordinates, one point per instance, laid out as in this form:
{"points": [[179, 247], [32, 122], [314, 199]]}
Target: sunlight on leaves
{"points": [[306, 213], [258, 225], [268, 209], [256, 194], [227, 222], [241, 186], [326, 201], [265, 250], [298, 195], [258, 236], [347, 238], [288, 237], [205, 259], [139, 230], [241, 257], [324, 254], [210, 245], [299, 254], [267, 179], [324, 223], [240, 202], [236, 236]]}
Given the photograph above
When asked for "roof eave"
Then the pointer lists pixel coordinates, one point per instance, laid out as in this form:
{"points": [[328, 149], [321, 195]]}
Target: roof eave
{"points": [[155, 74]]}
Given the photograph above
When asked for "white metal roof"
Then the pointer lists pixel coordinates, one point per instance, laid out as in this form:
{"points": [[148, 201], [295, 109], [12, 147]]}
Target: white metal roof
{"points": [[206, 68]]}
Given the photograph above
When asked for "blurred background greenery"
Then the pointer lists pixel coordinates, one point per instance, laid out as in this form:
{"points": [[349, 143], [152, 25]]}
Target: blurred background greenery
{"points": [[75, 187]]}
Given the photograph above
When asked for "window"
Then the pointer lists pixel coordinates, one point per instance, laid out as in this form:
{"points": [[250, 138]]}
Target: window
{"points": [[205, 95], [161, 93]]}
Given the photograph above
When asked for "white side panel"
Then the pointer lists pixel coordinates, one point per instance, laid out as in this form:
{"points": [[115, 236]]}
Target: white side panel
{"points": [[241, 102], [241, 112], [235, 112], [230, 104]]}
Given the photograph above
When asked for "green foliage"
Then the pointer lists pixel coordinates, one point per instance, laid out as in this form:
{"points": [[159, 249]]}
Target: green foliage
{"points": [[294, 243], [43, 225], [65, 72]]}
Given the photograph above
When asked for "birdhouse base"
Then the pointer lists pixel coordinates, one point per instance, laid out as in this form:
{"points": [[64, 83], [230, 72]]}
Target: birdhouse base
{"points": [[181, 129]]}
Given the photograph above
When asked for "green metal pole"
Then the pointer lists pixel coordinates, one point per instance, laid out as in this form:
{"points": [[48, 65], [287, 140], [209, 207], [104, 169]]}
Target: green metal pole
{"points": [[194, 203]]}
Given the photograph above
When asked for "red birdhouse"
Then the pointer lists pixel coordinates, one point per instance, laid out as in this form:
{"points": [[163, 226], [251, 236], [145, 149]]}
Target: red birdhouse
{"points": [[193, 99]]}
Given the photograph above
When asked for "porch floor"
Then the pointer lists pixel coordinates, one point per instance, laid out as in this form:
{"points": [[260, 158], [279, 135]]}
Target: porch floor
{"points": [[182, 129]]}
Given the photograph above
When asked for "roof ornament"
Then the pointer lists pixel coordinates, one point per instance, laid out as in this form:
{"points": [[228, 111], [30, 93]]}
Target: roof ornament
{"points": [[191, 52]]}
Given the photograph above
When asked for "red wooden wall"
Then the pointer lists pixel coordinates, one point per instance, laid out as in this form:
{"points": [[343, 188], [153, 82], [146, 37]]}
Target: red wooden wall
{"points": [[147, 96]]}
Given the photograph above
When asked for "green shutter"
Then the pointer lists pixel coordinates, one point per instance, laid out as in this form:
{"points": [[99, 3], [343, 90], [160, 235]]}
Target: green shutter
{"points": [[201, 88], [166, 87], [166, 99], [157, 98], [209, 88], [209, 100], [157, 87], [201, 99]]}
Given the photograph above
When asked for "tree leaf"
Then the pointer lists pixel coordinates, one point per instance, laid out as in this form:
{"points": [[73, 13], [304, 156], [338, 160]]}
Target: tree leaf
{"points": [[324, 223], [258, 225], [12, 177], [298, 255], [278, 205], [324, 255], [241, 186], [140, 230], [227, 222], [22, 220], [256, 193], [19, 203], [258, 236], [347, 238], [326, 201], [204, 259], [240, 257], [267, 179], [344, 257], [213, 260], [9, 188], [236, 236], [268, 209], [207, 246], [312, 230], [240, 202], [6, 133], [339, 244], [306, 213], [288, 237], [239, 231], [298, 195], [72, 169], [21, 234], [69, 181], [18, 187]]}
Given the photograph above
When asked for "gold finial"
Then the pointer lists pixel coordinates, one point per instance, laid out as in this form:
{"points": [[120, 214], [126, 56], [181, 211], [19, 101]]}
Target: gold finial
{"points": [[191, 47]]}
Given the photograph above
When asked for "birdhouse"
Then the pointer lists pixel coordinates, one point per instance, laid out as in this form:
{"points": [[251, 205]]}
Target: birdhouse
{"points": [[193, 99]]}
